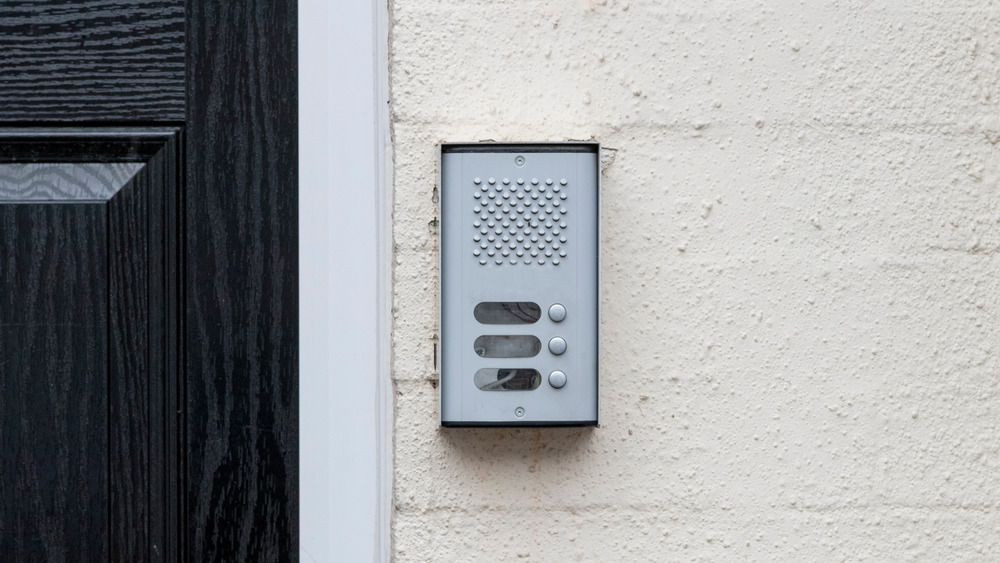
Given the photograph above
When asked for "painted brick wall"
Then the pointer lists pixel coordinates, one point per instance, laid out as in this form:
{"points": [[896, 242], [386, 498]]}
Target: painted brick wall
{"points": [[801, 283]]}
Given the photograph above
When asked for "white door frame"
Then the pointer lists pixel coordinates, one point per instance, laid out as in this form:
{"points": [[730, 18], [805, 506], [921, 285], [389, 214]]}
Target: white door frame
{"points": [[345, 400]]}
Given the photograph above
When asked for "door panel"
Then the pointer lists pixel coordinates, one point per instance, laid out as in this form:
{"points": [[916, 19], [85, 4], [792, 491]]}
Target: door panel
{"points": [[89, 357], [53, 383], [92, 60], [194, 260]]}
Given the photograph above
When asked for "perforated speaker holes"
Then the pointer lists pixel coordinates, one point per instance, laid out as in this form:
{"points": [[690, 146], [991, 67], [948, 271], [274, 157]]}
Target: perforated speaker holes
{"points": [[519, 221]]}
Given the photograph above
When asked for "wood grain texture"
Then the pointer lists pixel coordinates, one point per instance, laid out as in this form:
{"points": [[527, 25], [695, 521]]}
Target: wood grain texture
{"points": [[174, 441], [90, 386], [41, 181], [53, 383], [130, 371], [143, 358], [92, 60], [242, 315], [163, 174], [81, 144]]}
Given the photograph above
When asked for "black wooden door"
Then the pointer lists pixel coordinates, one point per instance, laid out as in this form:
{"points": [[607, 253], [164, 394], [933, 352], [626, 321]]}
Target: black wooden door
{"points": [[148, 280]]}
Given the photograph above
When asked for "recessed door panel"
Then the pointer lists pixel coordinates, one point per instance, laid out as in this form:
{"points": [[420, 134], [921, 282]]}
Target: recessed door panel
{"points": [[88, 353]]}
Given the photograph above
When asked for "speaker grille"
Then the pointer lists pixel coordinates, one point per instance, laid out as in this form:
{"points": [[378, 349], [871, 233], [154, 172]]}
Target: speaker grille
{"points": [[519, 221]]}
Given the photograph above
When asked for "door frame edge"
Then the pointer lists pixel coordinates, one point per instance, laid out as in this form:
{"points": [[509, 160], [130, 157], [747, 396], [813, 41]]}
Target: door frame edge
{"points": [[345, 282], [384, 188]]}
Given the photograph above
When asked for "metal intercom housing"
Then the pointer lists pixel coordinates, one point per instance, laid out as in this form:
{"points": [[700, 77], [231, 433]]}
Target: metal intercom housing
{"points": [[520, 265]]}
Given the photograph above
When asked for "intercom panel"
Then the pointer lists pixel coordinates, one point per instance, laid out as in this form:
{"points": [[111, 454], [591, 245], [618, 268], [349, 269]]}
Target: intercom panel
{"points": [[519, 284]]}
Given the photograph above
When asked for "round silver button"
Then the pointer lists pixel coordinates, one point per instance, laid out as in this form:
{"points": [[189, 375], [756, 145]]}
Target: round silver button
{"points": [[557, 379], [557, 312], [557, 346]]}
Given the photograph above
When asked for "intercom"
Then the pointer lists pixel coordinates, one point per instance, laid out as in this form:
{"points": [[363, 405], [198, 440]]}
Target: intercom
{"points": [[519, 284]]}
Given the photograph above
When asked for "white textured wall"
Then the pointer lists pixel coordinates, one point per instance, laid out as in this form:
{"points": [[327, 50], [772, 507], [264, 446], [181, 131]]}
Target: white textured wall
{"points": [[801, 283]]}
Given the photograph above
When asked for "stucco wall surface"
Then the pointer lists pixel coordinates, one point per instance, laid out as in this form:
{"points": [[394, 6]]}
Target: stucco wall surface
{"points": [[801, 280]]}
